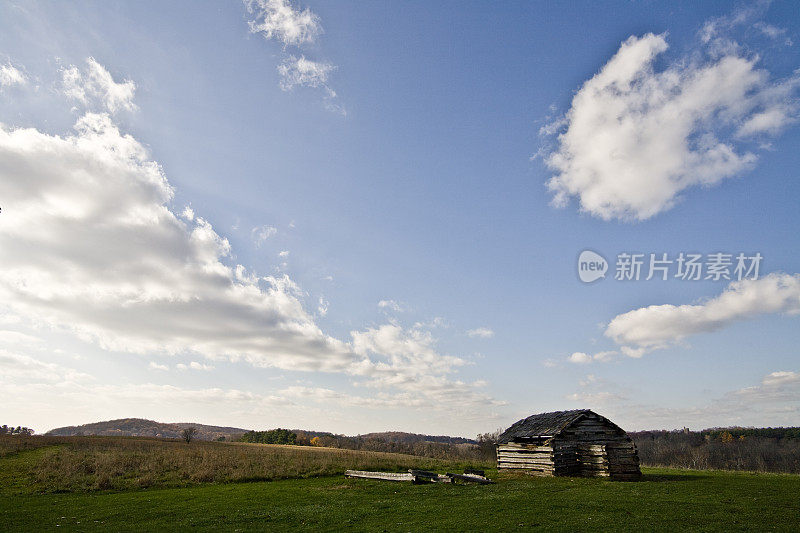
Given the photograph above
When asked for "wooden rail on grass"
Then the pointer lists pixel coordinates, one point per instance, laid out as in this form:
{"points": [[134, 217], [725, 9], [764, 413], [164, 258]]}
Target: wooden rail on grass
{"points": [[418, 476], [385, 476]]}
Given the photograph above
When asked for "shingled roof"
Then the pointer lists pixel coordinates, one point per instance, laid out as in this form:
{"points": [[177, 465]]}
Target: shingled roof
{"points": [[545, 424]]}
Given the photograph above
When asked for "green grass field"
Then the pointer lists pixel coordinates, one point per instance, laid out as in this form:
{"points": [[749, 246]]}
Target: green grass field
{"points": [[664, 500]]}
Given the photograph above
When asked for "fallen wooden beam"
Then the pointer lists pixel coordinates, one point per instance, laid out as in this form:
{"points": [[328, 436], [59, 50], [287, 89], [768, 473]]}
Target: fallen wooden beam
{"points": [[385, 476], [471, 478], [424, 475], [418, 476]]}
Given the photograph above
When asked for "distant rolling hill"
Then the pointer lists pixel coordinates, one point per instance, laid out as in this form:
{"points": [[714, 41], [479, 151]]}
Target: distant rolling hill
{"points": [[410, 438], [139, 427]]}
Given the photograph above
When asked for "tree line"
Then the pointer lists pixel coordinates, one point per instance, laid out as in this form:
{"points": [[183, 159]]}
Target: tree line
{"points": [[413, 445], [19, 430], [752, 449], [273, 436]]}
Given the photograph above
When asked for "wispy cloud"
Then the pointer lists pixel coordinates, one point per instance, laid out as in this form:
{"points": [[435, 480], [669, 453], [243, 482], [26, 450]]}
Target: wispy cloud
{"points": [[582, 358], [96, 89], [773, 32], [294, 27], [595, 391], [299, 71], [775, 401], [11, 75], [194, 365], [482, 333], [278, 19], [22, 367], [261, 234], [658, 326], [391, 305], [322, 306]]}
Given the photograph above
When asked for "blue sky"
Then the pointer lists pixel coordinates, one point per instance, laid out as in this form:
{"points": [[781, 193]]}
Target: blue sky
{"points": [[359, 217]]}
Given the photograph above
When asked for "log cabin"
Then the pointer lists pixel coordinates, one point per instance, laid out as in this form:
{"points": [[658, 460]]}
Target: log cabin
{"points": [[569, 443]]}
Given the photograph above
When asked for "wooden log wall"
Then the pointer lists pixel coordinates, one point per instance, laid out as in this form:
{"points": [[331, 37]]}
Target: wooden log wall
{"points": [[536, 459], [603, 450]]}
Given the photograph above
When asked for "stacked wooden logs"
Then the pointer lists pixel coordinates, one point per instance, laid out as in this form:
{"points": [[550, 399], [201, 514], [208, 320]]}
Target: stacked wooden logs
{"points": [[537, 459]]}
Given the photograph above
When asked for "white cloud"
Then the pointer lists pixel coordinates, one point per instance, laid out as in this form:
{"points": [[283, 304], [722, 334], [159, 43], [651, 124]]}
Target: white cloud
{"points": [[635, 137], [773, 402], [781, 377], [330, 397], [94, 248], [781, 387], [322, 306], [605, 356], [16, 338], [596, 391], [483, 333], [409, 352], [194, 365], [278, 19], [658, 326], [11, 75], [188, 213], [772, 120], [299, 71], [155, 366], [260, 234], [95, 88], [434, 323], [407, 360], [24, 368], [773, 32], [284, 253], [390, 304], [592, 398], [582, 358], [718, 28]]}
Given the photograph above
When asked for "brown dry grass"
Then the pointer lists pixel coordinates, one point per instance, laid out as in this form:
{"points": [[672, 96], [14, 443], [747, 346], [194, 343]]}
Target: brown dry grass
{"points": [[70, 464]]}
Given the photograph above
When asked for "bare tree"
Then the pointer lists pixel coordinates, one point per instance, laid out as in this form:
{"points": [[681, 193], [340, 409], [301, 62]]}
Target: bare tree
{"points": [[188, 434]]}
